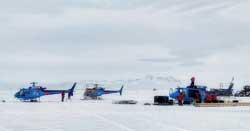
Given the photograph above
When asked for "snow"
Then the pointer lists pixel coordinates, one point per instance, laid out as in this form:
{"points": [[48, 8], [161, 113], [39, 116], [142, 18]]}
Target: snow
{"points": [[102, 115]]}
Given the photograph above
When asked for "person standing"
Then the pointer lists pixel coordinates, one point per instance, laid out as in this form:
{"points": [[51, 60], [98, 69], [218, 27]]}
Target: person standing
{"points": [[192, 82], [180, 98], [69, 95], [197, 97], [208, 98], [63, 95]]}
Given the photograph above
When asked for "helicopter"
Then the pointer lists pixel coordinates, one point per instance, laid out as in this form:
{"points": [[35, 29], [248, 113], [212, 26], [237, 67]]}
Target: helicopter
{"points": [[34, 92], [224, 91], [200, 93], [192, 93], [96, 91]]}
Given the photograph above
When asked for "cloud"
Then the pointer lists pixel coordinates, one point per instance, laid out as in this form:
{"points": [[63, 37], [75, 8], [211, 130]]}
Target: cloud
{"points": [[157, 60], [110, 38]]}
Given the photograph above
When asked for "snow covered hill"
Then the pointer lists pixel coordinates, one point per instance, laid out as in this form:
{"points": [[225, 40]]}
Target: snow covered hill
{"points": [[78, 115], [52, 115]]}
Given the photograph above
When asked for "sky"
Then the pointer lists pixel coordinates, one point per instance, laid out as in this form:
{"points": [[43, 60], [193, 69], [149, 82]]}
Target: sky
{"points": [[60, 40]]}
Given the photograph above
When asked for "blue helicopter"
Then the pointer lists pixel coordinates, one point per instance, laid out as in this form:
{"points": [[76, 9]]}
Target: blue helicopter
{"points": [[34, 92], [224, 91], [191, 93], [96, 91]]}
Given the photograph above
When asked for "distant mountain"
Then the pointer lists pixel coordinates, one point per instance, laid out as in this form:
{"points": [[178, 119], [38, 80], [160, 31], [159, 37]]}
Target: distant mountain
{"points": [[147, 82], [151, 82]]}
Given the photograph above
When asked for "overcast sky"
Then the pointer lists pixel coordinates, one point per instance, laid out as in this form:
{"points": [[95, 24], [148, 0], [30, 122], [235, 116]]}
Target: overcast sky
{"points": [[56, 40]]}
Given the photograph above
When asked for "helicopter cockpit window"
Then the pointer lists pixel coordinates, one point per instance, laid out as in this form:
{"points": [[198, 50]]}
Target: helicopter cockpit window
{"points": [[21, 92], [174, 90]]}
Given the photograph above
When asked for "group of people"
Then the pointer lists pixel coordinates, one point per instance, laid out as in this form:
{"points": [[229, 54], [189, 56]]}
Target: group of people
{"points": [[63, 96], [211, 97]]}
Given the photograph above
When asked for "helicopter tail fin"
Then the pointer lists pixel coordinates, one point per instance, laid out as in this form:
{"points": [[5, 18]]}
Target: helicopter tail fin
{"points": [[121, 90], [71, 90], [231, 84]]}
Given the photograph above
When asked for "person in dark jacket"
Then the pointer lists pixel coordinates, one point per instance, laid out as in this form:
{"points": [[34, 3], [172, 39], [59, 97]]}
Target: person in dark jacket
{"points": [[197, 97], [192, 85], [69, 95], [192, 82]]}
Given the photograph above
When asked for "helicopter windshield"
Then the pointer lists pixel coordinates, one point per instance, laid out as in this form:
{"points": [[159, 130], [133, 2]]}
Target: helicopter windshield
{"points": [[21, 92], [24, 91], [172, 90]]}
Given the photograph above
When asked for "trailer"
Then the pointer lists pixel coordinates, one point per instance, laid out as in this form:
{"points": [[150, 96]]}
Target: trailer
{"points": [[162, 100], [227, 104]]}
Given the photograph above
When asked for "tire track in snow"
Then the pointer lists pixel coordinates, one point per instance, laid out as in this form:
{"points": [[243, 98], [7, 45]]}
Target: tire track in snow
{"points": [[164, 125], [4, 129], [119, 125]]}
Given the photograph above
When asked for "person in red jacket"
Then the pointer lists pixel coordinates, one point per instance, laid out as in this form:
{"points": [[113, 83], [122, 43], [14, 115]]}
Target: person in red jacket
{"points": [[214, 98], [208, 98], [63, 95], [180, 98]]}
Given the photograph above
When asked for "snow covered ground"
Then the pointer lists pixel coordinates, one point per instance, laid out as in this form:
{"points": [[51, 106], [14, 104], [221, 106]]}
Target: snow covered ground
{"points": [[78, 115]]}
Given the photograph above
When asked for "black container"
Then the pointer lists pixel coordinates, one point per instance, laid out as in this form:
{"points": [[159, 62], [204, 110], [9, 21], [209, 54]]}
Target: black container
{"points": [[162, 100]]}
